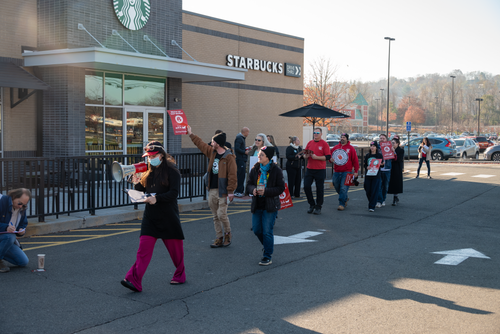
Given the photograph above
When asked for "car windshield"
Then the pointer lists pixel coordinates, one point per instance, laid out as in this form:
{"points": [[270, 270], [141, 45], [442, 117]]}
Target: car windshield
{"points": [[459, 142]]}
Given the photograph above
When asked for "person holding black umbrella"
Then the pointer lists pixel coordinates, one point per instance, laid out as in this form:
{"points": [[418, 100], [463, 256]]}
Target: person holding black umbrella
{"points": [[317, 153]]}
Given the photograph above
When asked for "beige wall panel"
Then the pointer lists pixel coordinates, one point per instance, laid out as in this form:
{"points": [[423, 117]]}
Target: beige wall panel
{"points": [[18, 26], [19, 131], [272, 37], [207, 23], [208, 49]]}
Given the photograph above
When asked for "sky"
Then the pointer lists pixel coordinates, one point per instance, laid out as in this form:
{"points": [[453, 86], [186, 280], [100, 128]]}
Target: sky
{"points": [[432, 36]]}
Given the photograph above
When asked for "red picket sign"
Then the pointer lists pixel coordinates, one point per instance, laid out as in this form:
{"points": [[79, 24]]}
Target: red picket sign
{"points": [[286, 199], [386, 148], [348, 180], [179, 121]]}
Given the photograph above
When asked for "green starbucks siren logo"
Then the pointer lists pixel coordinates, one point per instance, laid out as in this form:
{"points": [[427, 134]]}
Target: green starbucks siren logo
{"points": [[133, 14]]}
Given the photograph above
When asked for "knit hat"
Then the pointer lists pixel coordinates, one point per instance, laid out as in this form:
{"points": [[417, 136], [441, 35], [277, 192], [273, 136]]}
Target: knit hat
{"points": [[374, 143], [220, 139], [268, 151], [345, 135]]}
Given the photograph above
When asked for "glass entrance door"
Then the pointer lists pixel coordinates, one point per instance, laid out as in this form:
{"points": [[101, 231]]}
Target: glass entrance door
{"points": [[143, 125]]}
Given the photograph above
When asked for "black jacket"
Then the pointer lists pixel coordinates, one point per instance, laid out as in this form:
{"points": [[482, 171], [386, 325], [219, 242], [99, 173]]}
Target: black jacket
{"points": [[275, 187], [292, 161], [239, 147]]}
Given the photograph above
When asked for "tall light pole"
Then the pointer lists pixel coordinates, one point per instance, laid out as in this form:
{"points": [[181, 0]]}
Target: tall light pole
{"points": [[452, 98], [381, 104], [435, 112], [377, 112], [388, 77], [478, 115]]}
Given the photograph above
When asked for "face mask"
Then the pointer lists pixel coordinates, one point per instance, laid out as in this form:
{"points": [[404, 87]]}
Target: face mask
{"points": [[155, 162]]}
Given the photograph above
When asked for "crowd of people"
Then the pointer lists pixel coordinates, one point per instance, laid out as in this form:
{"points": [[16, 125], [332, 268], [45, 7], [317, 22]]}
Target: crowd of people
{"points": [[231, 173]]}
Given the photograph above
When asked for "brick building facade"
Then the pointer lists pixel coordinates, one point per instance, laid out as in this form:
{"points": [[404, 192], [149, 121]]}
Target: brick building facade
{"points": [[104, 88]]}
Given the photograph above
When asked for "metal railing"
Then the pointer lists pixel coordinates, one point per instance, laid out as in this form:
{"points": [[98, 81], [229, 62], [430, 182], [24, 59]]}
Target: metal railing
{"points": [[77, 184]]}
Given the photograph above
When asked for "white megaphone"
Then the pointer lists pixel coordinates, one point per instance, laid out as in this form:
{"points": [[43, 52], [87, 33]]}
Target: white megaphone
{"points": [[120, 171]]}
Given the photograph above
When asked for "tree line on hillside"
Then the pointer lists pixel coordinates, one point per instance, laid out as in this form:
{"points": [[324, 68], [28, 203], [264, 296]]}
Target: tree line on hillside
{"points": [[425, 100]]}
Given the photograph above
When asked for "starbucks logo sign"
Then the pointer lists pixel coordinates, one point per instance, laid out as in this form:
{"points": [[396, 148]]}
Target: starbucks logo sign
{"points": [[133, 14]]}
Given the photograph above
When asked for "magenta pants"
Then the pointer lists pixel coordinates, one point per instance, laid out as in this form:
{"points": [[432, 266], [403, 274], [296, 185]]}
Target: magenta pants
{"points": [[145, 252]]}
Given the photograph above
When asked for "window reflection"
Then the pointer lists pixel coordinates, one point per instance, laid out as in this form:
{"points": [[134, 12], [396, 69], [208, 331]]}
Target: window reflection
{"points": [[93, 87], [135, 123], [94, 128], [155, 127], [144, 91], [113, 127], [113, 89]]}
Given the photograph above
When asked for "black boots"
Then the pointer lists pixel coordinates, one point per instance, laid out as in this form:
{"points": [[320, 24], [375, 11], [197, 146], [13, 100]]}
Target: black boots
{"points": [[395, 201]]}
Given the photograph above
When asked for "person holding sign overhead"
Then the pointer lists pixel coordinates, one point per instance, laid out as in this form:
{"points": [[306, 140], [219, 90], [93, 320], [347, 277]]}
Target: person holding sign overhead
{"points": [[373, 162], [266, 184]]}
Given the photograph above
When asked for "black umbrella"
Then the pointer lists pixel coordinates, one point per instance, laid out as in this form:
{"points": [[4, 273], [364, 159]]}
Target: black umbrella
{"points": [[314, 112]]}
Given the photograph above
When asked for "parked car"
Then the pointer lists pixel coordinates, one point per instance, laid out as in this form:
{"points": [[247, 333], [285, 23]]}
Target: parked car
{"points": [[331, 136], [442, 148], [482, 141], [355, 136], [493, 137], [492, 153], [466, 148]]}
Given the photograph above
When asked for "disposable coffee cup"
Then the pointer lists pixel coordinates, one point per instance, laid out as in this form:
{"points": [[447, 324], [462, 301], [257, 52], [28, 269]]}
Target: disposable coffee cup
{"points": [[260, 187], [41, 261]]}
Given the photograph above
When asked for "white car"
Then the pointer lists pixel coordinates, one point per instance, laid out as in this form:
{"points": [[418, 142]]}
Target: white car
{"points": [[466, 148]]}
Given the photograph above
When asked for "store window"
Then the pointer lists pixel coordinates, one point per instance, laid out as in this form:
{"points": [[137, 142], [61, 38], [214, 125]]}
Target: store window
{"points": [[1, 123], [116, 104]]}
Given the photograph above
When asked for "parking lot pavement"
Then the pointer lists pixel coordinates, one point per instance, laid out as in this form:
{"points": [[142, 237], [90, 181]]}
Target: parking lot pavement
{"points": [[346, 271]]}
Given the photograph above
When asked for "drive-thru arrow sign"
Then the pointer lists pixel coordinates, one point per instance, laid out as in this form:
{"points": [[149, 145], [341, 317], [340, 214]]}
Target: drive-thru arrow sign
{"points": [[457, 256], [296, 238]]}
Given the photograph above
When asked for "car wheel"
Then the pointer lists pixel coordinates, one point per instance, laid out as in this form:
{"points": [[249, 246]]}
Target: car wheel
{"points": [[464, 156], [437, 156], [477, 156], [495, 156]]}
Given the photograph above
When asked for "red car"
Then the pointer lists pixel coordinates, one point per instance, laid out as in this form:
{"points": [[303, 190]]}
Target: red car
{"points": [[482, 142]]}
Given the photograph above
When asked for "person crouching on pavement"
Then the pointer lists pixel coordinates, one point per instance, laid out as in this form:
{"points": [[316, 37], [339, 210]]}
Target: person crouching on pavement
{"points": [[318, 153], [266, 183], [161, 216], [345, 159], [221, 183], [13, 221], [372, 182]]}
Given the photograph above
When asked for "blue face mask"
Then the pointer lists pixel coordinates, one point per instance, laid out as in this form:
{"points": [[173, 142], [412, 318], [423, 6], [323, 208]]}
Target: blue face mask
{"points": [[155, 162]]}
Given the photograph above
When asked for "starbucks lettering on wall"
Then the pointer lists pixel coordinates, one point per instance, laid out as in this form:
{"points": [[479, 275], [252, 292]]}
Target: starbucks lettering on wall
{"points": [[133, 14]]}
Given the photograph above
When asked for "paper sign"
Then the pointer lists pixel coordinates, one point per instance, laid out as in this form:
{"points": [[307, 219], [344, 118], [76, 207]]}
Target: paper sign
{"points": [[348, 179], [373, 167], [286, 199], [386, 148], [179, 121]]}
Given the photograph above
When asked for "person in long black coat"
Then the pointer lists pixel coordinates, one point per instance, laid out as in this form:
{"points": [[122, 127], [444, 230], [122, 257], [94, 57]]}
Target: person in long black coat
{"points": [[294, 166], [161, 216], [396, 182]]}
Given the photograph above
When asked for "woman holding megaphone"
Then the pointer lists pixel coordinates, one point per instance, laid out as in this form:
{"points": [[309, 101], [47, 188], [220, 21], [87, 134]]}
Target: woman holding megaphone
{"points": [[161, 216]]}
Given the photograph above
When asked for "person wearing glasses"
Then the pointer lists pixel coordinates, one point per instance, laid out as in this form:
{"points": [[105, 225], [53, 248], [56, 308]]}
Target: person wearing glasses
{"points": [[13, 223], [345, 160], [260, 142], [161, 216], [266, 184], [221, 183], [317, 153]]}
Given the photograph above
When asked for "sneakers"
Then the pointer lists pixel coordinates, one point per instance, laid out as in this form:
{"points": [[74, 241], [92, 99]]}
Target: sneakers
{"points": [[371, 210], [265, 261], [379, 205], [429, 177], [341, 208], [317, 211], [217, 243], [383, 203], [238, 195], [227, 239], [4, 268], [311, 209], [416, 176]]}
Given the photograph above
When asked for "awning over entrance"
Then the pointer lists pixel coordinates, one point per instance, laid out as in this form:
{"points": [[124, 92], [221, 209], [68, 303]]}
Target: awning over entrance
{"points": [[135, 63], [14, 76]]}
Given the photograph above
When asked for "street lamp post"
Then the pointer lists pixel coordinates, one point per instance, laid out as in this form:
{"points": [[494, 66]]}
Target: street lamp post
{"points": [[388, 78], [452, 98], [478, 115], [435, 112], [377, 112], [381, 104]]}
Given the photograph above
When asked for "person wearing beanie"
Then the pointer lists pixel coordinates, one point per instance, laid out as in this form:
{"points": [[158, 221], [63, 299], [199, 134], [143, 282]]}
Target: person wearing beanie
{"points": [[266, 184], [294, 166], [221, 182], [317, 154], [372, 178], [345, 161], [241, 152]]}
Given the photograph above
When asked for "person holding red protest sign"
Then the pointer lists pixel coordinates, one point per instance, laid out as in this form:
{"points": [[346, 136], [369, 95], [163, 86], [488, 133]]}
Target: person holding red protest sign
{"points": [[266, 183], [373, 162], [345, 160], [385, 172]]}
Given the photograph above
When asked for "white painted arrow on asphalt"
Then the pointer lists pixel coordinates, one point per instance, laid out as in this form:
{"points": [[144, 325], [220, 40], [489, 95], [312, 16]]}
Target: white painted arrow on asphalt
{"points": [[457, 256], [296, 238]]}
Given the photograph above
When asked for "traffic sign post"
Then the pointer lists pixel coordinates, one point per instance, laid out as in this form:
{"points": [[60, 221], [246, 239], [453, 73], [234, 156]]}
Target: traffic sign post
{"points": [[408, 128]]}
